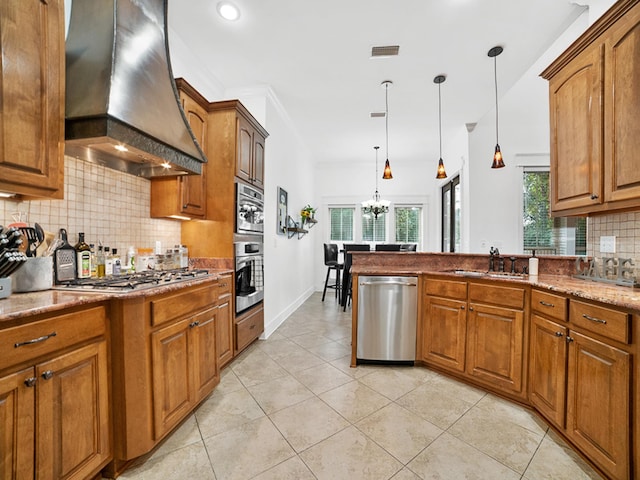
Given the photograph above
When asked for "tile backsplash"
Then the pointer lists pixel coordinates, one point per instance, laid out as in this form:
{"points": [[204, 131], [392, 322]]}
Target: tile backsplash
{"points": [[624, 226], [110, 207]]}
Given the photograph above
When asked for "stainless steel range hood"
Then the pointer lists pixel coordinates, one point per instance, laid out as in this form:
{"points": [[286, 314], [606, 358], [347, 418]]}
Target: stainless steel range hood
{"points": [[122, 106]]}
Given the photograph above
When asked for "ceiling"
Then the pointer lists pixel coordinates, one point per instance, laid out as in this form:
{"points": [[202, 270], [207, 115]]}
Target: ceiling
{"points": [[315, 57]]}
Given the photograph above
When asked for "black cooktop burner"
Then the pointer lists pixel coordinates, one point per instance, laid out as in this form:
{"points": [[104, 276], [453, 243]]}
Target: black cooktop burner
{"points": [[133, 281]]}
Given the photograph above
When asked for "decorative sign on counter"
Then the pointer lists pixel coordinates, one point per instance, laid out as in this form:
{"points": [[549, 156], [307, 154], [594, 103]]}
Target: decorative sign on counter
{"points": [[620, 271]]}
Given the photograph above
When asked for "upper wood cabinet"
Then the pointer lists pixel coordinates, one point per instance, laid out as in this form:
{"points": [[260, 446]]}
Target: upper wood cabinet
{"points": [[594, 92], [31, 95], [250, 153], [184, 196]]}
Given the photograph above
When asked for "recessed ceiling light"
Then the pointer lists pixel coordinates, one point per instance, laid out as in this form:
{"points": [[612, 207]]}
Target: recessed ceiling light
{"points": [[228, 11]]}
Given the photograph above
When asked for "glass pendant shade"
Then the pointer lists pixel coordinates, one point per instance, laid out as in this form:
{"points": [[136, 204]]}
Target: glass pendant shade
{"points": [[386, 174], [441, 171], [497, 156]]}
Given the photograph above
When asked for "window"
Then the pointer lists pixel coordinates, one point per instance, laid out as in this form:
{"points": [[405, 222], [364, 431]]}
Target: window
{"points": [[546, 235], [341, 224], [374, 229], [408, 224], [451, 216]]}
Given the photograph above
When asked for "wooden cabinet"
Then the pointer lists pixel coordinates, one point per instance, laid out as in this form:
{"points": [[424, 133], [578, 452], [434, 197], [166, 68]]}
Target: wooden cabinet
{"points": [[444, 325], [54, 397], [580, 376], [250, 153], [496, 336], [164, 362], [249, 326], [32, 92], [184, 196], [595, 132], [185, 368], [476, 329], [225, 323], [548, 355], [235, 148]]}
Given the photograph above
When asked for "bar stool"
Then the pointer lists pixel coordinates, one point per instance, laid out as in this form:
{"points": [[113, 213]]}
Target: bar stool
{"points": [[346, 279], [331, 261]]}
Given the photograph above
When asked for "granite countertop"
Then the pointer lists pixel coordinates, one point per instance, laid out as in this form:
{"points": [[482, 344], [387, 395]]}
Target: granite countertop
{"points": [[21, 306], [619, 296]]}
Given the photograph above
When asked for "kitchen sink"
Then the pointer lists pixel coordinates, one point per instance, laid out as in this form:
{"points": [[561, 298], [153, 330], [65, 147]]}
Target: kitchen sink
{"points": [[518, 276], [499, 275], [469, 273]]}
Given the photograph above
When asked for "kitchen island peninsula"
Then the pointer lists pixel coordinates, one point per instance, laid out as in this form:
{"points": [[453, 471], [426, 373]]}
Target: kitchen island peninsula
{"points": [[563, 346]]}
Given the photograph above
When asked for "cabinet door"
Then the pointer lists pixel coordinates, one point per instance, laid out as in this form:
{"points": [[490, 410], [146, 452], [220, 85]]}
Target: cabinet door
{"points": [[495, 338], [72, 412], [206, 369], [598, 409], [193, 187], [17, 425], [575, 97], [173, 392], [31, 95], [622, 87], [224, 333], [444, 332], [258, 160], [244, 155], [547, 368]]}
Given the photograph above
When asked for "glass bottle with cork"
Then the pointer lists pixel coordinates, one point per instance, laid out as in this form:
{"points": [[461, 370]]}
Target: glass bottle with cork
{"points": [[83, 256]]}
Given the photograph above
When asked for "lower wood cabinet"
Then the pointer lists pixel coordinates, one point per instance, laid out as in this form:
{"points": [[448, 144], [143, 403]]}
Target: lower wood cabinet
{"points": [[164, 362], [476, 329], [54, 413], [581, 377], [249, 326], [225, 323]]}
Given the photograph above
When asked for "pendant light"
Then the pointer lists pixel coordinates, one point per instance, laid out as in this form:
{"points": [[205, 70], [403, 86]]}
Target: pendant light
{"points": [[376, 206], [497, 156], [441, 171], [386, 174]]}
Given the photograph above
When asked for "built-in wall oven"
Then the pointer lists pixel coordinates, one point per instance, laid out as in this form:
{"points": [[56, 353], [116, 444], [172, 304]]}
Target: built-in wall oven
{"points": [[249, 261], [249, 210]]}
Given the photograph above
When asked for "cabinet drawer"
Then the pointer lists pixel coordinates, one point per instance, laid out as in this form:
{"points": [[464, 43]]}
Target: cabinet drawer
{"points": [[176, 306], [248, 329], [508, 297], [225, 286], [549, 304], [446, 288], [612, 324], [26, 342]]}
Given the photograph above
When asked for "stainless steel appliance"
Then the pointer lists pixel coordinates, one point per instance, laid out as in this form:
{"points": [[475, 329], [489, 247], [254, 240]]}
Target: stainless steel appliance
{"points": [[134, 281], [249, 261], [387, 316], [249, 209]]}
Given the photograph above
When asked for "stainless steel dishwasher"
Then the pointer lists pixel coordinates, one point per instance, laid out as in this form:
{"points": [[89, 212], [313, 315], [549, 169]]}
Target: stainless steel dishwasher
{"points": [[387, 316]]}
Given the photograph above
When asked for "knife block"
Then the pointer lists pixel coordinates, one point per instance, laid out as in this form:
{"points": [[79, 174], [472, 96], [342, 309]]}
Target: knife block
{"points": [[5, 287]]}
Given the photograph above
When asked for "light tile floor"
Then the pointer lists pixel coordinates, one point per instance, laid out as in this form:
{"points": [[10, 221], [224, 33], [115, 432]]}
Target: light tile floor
{"points": [[290, 407]]}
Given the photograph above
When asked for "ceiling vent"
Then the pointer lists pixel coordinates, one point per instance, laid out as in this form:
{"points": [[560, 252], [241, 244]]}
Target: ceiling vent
{"points": [[377, 114], [386, 51]]}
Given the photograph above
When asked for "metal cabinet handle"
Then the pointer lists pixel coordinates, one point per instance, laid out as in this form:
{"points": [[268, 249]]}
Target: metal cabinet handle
{"points": [[559, 334], [594, 196], [194, 324], [404, 284], [569, 339], [252, 327], [471, 309], [47, 374], [35, 340], [30, 382], [461, 307], [546, 304], [594, 319]]}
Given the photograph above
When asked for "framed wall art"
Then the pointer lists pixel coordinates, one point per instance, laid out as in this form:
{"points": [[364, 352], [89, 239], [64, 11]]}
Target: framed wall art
{"points": [[282, 211]]}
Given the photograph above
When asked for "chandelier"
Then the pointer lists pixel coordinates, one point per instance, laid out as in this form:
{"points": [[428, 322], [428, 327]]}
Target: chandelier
{"points": [[375, 206]]}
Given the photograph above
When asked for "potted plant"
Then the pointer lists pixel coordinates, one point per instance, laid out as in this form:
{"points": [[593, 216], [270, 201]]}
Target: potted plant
{"points": [[307, 214]]}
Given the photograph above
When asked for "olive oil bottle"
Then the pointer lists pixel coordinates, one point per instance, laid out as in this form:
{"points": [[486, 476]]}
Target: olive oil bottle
{"points": [[83, 256]]}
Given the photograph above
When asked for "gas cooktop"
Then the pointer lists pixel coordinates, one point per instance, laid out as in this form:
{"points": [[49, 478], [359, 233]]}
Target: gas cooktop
{"points": [[133, 281]]}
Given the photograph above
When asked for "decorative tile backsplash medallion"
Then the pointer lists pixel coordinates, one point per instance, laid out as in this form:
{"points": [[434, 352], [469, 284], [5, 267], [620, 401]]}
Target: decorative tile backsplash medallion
{"points": [[107, 205]]}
